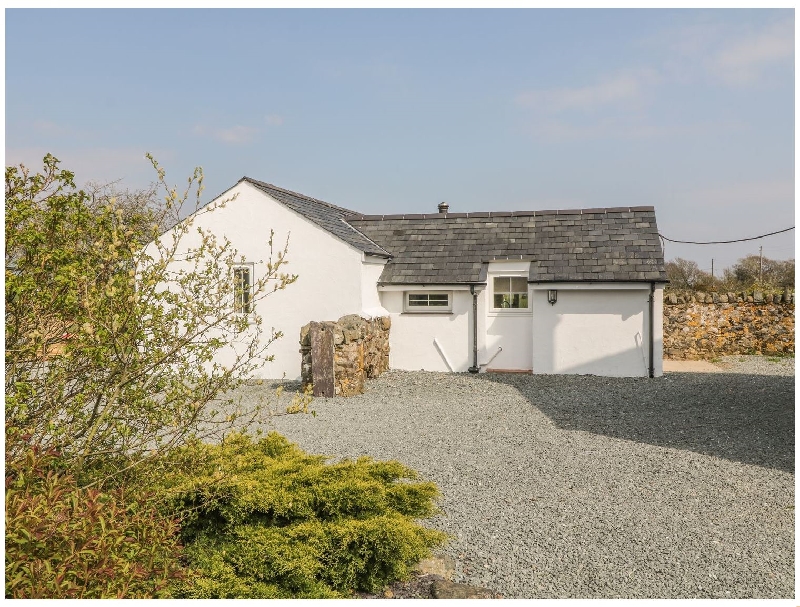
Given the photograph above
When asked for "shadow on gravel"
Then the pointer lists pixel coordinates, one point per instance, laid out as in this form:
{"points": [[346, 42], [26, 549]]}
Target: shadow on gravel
{"points": [[745, 418]]}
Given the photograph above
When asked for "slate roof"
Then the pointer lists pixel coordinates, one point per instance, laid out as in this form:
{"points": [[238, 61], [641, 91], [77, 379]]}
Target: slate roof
{"points": [[327, 216], [613, 244]]}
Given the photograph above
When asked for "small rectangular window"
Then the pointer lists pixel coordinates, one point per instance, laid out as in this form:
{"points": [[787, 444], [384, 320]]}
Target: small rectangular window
{"points": [[242, 289], [431, 302], [510, 292]]}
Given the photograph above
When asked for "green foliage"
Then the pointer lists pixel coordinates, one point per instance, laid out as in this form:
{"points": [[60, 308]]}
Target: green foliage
{"points": [[683, 273], [110, 344], [300, 400], [750, 273], [66, 542], [761, 272], [267, 520], [113, 327]]}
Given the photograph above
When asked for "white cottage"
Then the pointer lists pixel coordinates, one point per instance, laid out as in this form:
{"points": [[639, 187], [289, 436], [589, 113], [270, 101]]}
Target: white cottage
{"points": [[566, 291]]}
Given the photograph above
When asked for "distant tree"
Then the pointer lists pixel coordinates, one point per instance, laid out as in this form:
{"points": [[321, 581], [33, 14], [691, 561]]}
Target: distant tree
{"points": [[706, 282], [683, 273], [784, 274], [743, 275], [754, 271], [746, 270]]}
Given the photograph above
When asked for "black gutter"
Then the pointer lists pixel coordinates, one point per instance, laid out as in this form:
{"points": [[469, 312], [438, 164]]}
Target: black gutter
{"points": [[429, 284], [651, 370], [595, 281], [474, 368]]}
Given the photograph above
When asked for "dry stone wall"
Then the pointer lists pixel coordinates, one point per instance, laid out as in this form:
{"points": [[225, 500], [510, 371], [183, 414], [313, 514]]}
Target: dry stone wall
{"points": [[703, 325], [361, 351]]}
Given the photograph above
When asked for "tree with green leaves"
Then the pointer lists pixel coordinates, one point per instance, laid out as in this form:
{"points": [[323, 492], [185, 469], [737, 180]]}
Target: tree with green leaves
{"points": [[685, 274], [750, 272], [111, 343], [754, 270]]}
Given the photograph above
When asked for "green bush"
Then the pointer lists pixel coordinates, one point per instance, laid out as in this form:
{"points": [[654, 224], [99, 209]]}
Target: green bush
{"points": [[66, 542], [266, 520]]}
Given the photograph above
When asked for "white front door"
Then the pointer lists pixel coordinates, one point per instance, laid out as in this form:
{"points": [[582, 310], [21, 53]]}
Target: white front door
{"points": [[508, 319]]}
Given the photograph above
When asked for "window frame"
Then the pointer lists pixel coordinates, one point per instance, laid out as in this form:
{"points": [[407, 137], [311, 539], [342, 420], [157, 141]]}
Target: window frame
{"points": [[236, 268], [527, 293], [427, 309]]}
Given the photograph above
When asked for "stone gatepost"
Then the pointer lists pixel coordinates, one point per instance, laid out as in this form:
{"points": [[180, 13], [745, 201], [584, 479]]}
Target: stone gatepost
{"points": [[360, 352]]}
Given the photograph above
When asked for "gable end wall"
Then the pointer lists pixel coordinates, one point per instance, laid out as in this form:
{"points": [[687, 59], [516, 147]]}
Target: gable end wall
{"points": [[329, 270]]}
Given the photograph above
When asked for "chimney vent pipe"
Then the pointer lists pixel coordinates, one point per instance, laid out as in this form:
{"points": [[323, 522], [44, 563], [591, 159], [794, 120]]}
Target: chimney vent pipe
{"points": [[443, 206]]}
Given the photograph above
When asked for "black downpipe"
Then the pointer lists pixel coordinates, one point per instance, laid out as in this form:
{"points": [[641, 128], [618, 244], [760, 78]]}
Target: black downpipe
{"points": [[652, 326], [474, 367]]}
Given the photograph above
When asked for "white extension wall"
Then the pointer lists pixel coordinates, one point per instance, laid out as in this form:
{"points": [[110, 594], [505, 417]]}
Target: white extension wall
{"points": [[370, 275], [596, 329], [330, 281], [429, 341]]}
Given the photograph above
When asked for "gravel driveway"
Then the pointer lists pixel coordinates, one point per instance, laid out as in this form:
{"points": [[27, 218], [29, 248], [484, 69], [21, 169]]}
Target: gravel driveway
{"points": [[591, 487]]}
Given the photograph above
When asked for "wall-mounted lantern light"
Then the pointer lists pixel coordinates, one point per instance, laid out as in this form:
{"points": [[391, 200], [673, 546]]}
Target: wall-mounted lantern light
{"points": [[552, 296]]}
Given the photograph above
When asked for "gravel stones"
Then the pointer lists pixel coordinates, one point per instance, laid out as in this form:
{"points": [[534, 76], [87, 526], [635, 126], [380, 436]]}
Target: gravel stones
{"points": [[442, 589], [591, 487], [757, 365]]}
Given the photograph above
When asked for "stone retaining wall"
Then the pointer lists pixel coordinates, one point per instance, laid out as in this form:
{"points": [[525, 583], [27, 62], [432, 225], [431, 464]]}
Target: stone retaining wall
{"points": [[361, 352], [704, 325]]}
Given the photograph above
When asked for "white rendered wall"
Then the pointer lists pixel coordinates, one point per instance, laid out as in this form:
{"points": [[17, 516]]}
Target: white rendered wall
{"points": [[598, 330], [370, 274], [411, 338], [329, 283]]}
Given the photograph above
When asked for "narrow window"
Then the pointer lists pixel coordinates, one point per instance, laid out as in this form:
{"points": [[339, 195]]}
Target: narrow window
{"points": [[510, 292], [242, 289], [428, 302]]}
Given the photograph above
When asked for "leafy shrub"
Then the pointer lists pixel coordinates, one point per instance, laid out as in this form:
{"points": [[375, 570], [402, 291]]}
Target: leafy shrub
{"points": [[266, 520], [66, 542], [103, 361]]}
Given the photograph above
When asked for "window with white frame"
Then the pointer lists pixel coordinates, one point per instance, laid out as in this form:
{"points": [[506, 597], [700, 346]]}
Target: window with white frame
{"points": [[428, 301], [509, 292], [243, 289]]}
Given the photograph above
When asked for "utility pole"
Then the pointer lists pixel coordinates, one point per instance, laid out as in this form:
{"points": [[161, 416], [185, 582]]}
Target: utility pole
{"points": [[760, 263], [712, 267]]}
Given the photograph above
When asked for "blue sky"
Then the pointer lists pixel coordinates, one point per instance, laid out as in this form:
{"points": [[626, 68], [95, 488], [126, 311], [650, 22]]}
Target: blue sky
{"points": [[393, 111]]}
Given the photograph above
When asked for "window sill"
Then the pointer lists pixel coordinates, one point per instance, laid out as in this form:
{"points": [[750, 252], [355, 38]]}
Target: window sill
{"points": [[428, 313], [511, 312]]}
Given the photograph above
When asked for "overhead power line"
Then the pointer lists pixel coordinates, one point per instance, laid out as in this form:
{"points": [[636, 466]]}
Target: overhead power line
{"points": [[726, 241]]}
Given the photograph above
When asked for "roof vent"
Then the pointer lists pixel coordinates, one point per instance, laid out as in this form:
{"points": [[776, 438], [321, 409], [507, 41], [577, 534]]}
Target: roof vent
{"points": [[443, 206]]}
